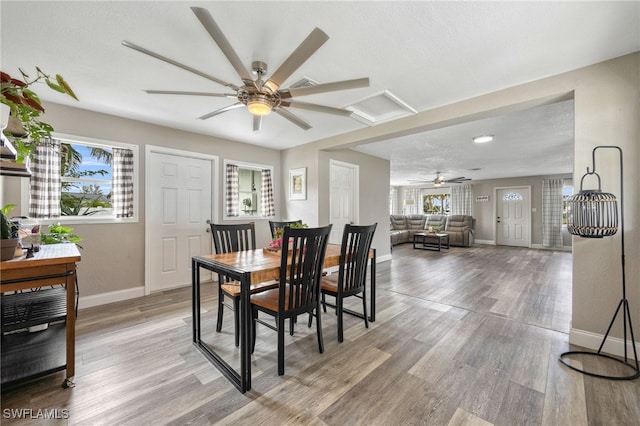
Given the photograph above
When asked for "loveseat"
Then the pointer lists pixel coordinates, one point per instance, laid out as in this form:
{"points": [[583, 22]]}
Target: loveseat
{"points": [[459, 227]]}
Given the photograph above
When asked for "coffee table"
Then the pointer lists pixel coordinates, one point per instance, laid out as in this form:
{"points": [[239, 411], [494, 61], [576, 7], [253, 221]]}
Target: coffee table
{"points": [[430, 241]]}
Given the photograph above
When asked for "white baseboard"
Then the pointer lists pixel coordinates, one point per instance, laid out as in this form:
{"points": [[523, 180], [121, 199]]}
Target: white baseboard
{"points": [[589, 340], [489, 242], [113, 296], [383, 258], [541, 247]]}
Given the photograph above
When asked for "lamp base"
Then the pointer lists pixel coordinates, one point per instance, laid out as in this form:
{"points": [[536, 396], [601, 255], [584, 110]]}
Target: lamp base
{"points": [[626, 316], [603, 376]]}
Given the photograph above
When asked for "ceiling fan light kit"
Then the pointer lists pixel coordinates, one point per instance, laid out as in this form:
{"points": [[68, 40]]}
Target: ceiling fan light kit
{"points": [[259, 96], [259, 105]]}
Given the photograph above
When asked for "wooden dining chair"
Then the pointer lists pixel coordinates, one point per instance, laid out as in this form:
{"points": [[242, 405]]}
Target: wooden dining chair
{"points": [[281, 225], [226, 239], [301, 264], [352, 273]]}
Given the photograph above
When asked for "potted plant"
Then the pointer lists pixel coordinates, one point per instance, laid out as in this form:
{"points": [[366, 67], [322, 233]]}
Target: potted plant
{"points": [[60, 234], [24, 127], [8, 234]]}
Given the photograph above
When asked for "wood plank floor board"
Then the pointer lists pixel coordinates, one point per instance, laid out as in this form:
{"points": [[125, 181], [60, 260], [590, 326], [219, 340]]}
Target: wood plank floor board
{"points": [[462, 336], [521, 406]]}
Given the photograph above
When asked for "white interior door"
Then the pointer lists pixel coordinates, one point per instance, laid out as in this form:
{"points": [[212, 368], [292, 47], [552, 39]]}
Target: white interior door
{"points": [[178, 209], [343, 203], [513, 218]]}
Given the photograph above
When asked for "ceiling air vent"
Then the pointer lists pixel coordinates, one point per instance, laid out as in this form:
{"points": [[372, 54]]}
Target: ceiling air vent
{"points": [[381, 107], [304, 82]]}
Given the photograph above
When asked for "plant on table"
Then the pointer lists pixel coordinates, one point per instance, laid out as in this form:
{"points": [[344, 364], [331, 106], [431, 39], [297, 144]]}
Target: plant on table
{"points": [[61, 234], [277, 238]]}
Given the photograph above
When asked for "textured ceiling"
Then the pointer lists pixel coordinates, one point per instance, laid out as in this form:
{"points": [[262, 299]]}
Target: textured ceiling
{"points": [[538, 141], [425, 54]]}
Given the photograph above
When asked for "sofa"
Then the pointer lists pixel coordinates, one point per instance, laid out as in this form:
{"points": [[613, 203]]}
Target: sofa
{"points": [[459, 227]]}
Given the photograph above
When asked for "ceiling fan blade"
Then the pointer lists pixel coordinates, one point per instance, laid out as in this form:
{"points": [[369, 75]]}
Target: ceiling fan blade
{"points": [[179, 92], [316, 107], [460, 179], [221, 110], [419, 180], [293, 118], [257, 122], [303, 52], [325, 87], [218, 36], [177, 64]]}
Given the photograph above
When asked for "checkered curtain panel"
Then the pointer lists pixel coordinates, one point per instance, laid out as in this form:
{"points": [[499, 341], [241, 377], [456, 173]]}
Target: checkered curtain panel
{"points": [[462, 199], [122, 191], [268, 203], [45, 181], [552, 212], [233, 183]]}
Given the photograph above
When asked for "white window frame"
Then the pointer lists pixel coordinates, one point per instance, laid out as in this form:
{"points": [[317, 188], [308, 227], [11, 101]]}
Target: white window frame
{"points": [[72, 139], [251, 166]]}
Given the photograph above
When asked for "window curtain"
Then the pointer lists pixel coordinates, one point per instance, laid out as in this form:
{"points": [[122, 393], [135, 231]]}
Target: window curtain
{"points": [[233, 184], [122, 191], [552, 212], [267, 201], [462, 200], [412, 201], [45, 181], [393, 200]]}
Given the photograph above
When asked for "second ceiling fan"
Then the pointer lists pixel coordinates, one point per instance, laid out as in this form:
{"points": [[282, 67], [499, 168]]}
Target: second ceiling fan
{"points": [[258, 95], [439, 180]]}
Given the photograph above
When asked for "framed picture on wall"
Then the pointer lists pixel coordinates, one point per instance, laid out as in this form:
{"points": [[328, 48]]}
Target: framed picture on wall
{"points": [[298, 184]]}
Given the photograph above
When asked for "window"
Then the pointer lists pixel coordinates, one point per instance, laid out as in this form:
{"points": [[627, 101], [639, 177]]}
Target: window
{"points": [[249, 190], [512, 196], [87, 181], [436, 203]]}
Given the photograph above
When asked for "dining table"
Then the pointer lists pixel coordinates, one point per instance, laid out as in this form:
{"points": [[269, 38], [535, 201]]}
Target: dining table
{"points": [[247, 267]]}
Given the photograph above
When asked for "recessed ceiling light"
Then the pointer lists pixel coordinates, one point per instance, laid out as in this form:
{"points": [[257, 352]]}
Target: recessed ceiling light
{"points": [[483, 139]]}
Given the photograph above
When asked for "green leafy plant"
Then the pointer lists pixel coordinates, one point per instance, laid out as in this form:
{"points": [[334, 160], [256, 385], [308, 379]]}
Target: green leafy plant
{"points": [[60, 234], [278, 232], [25, 105], [7, 228]]}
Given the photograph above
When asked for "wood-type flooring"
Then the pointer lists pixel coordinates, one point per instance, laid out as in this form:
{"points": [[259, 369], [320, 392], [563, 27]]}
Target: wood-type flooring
{"points": [[466, 336]]}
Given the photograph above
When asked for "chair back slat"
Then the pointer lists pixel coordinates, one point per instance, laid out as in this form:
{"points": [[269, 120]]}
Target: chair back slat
{"points": [[303, 253], [236, 237], [354, 255]]}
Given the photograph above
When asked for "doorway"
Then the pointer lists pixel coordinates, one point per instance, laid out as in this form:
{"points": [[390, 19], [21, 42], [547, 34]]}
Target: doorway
{"points": [[179, 205], [513, 216], [343, 201]]}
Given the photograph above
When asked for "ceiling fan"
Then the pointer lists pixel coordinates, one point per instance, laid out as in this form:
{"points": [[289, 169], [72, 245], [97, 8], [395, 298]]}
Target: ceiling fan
{"points": [[260, 96], [439, 180]]}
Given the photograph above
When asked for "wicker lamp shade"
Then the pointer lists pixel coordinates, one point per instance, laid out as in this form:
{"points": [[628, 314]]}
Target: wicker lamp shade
{"points": [[592, 214]]}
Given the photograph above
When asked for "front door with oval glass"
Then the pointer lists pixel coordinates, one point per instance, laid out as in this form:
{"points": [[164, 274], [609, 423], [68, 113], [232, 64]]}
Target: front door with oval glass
{"points": [[513, 216]]}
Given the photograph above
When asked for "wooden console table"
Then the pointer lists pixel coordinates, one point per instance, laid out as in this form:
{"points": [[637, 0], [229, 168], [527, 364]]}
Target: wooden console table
{"points": [[53, 265]]}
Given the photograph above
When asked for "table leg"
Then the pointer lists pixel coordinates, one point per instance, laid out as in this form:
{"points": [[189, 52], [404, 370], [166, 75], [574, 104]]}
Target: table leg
{"points": [[195, 297], [245, 332], [70, 285]]}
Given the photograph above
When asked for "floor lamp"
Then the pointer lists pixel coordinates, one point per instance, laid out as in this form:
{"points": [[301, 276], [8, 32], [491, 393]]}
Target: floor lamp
{"points": [[594, 214]]}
